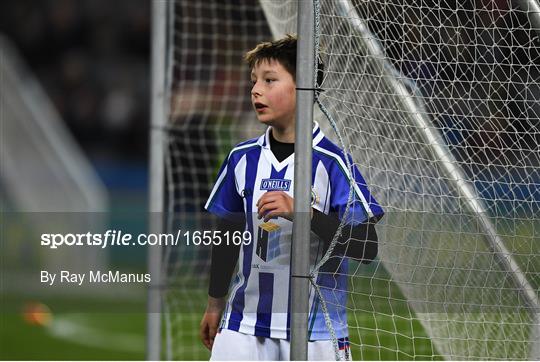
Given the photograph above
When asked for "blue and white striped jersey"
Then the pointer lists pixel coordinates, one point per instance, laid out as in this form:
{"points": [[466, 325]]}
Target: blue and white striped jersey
{"points": [[259, 299]]}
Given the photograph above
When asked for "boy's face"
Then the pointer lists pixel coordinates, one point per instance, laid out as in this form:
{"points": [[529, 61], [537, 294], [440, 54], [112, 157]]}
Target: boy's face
{"points": [[273, 94]]}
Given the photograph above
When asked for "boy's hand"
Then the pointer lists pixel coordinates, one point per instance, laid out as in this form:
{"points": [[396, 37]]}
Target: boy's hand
{"points": [[274, 204], [210, 321]]}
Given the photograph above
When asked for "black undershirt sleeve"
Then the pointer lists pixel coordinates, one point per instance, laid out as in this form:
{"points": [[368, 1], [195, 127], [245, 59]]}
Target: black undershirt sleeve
{"points": [[358, 242], [224, 259]]}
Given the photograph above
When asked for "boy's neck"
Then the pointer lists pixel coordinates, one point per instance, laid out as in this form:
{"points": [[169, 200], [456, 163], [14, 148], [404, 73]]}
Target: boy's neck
{"points": [[283, 135]]}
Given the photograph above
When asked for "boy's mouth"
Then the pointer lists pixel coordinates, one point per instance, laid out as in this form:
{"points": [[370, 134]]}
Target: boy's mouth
{"points": [[259, 106]]}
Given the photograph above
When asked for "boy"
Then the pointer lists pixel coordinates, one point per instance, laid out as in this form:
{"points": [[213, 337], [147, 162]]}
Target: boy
{"points": [[253, 192]]}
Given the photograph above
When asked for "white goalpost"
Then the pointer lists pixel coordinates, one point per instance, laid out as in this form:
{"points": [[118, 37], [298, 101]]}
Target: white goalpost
{"points": [[438, 105]]}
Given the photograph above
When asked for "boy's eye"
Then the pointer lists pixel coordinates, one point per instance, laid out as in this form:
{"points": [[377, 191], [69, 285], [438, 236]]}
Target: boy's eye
{"points": [[269, 80]]}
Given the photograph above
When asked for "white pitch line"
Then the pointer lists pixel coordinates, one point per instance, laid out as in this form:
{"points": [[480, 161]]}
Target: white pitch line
{"points": [[77, 331]]}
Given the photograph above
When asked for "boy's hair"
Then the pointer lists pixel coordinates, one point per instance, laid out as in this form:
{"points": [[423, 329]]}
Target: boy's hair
{"points": [[282, 50]]}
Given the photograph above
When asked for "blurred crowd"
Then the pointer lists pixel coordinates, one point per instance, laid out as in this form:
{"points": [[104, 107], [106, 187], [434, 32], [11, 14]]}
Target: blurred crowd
{"points": [[92, 58], [476, 64]]}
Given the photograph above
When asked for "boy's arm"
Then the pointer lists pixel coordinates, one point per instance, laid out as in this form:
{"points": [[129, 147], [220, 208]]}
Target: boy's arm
{"points": [[363, 247], [223, 261]]}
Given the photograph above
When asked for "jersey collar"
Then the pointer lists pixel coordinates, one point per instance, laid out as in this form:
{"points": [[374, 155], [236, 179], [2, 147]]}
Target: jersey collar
{"points": [[264, 140]]}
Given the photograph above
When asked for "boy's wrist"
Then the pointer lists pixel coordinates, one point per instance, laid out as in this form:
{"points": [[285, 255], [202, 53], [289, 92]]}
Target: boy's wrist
{"points": [[215, 304]]}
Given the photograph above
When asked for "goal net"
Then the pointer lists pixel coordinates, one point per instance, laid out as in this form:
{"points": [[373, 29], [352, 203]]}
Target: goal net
{"points": [[438, 105]]}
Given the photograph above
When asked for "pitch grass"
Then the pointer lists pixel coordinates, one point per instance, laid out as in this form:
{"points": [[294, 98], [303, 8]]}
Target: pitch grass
{"points": [[21, 341], [376, 333], [106, 336], [121, 336], [73, 335], [374, 341]]}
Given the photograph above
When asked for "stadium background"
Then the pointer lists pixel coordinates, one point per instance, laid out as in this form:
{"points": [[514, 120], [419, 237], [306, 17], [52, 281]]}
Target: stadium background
{"points": [[92, 59]]}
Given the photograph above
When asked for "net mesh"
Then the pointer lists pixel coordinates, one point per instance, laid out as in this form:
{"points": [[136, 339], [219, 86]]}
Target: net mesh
{"points": [[430, 99], [209, 113]]}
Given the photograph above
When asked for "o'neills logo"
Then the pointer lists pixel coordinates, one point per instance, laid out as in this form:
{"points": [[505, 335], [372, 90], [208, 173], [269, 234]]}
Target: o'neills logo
{"points": [[273, 184]]}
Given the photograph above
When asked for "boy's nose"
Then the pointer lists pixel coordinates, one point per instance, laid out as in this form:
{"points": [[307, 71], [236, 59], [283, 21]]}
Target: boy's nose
{"points": [[255, 91]]}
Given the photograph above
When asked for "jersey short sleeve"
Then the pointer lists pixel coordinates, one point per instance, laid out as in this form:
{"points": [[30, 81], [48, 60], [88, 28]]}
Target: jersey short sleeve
{"points": [[363, 206], [224, 200]]}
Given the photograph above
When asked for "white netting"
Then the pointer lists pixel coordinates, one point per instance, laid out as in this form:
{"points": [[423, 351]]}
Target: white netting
{"points": [[423, 94], [209, 114]]}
